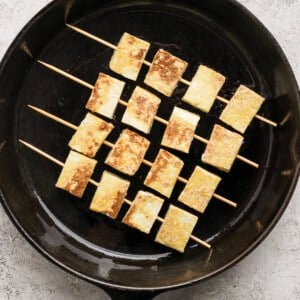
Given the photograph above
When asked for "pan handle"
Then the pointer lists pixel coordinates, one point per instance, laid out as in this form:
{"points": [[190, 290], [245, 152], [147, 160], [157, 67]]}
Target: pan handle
{"points": [[130, 295]]}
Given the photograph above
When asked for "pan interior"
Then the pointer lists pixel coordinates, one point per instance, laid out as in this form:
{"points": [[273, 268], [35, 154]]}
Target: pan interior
{"points": [[113, 252]]}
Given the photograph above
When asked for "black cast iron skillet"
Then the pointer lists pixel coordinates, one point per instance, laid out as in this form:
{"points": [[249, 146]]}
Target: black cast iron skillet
{"points": [[220, 34]]}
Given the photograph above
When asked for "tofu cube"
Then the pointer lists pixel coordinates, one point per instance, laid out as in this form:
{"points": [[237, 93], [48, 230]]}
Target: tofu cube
{"points": [[90, 135], [143, 211], [141, 110], [163, 175], [128, 152], [105, 95], [242, 108], [222, 148], [110, 195], [204, 88], [180, 130], [199, 189], [165, 72], [76, 174], [176, 228], [129, 56]]}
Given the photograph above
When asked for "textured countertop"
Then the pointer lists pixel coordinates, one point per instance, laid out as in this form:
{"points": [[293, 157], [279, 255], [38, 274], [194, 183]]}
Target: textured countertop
{"points": [[272, 271]]}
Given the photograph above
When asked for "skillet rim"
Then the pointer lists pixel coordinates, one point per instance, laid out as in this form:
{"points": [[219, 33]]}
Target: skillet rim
{"points": [[231, 263]]}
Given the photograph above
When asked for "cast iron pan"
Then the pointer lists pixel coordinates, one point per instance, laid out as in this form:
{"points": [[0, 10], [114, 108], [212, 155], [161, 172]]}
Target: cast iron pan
{"points": [[221, 34]]}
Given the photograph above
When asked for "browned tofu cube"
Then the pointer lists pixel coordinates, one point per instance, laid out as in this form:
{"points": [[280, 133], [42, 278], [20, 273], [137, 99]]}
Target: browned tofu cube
{"points": [[141, 110], [199, 189], [129, 56], [164, 173], [76, 174], [128, 152], [242, 108], [110, 195], [222, 148], [90, 135], [165, 72], [204, 88], [176, 229], [180, 130], [105, 95], [143, 211]]}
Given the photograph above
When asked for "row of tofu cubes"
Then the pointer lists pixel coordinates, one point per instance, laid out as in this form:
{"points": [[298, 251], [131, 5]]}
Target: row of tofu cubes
{"points": [[165, 72], [128, 153], [220, 151], [111, 194]]}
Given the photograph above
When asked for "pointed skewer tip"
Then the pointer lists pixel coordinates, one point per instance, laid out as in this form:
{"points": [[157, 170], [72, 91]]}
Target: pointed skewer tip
{"points": [[22, 142]]}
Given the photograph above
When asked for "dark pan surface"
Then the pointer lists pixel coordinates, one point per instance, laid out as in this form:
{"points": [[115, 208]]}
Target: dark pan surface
{"points": [[221, 35]]}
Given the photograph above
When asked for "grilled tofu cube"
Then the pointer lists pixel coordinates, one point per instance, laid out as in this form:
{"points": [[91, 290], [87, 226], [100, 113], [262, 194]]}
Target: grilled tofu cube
{"points": [[199, 189], [141, 110], [110, 195], [176, 228], [129, 56], [143, 211], [222, 148], [128, 152], [90, 135], [180, 130], [76, 174], [242, 108], [204, 88], [164, 173], [165, 72], [105, 95]]}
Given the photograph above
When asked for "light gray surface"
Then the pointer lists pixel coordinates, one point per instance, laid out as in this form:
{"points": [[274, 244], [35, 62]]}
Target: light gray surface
{"points": [[272, 271]]}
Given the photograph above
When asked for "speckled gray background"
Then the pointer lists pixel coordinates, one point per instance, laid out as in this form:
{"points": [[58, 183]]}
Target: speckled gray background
{"points": [[271, 272]]}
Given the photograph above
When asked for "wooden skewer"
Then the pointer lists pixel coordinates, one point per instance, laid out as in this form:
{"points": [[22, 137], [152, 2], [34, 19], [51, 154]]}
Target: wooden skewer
{"points": [[93, 37], [111, 145], [147, 63], [67, 75], [61, 164], [124, 103]]}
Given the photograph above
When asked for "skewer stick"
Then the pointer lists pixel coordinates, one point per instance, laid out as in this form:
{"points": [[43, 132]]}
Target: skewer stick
{"points": [[61, 164], [111, 145], [93, 37], [124, 103], [66, 74], [147, 63], [42, 153]]}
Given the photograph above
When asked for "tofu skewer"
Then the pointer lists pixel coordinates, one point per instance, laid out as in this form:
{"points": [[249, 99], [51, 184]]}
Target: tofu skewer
{"points": [[165, 72], [222, 148], [241, 109], [180, 130], [176, 228], [111, 145], [129, 56], [199, 190], [149, 64], [110, 195], [164, 173], [143, 212], [128, 152], [61, 164], [124, 103], [90, 135], [141, 110], [76, 173]]}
